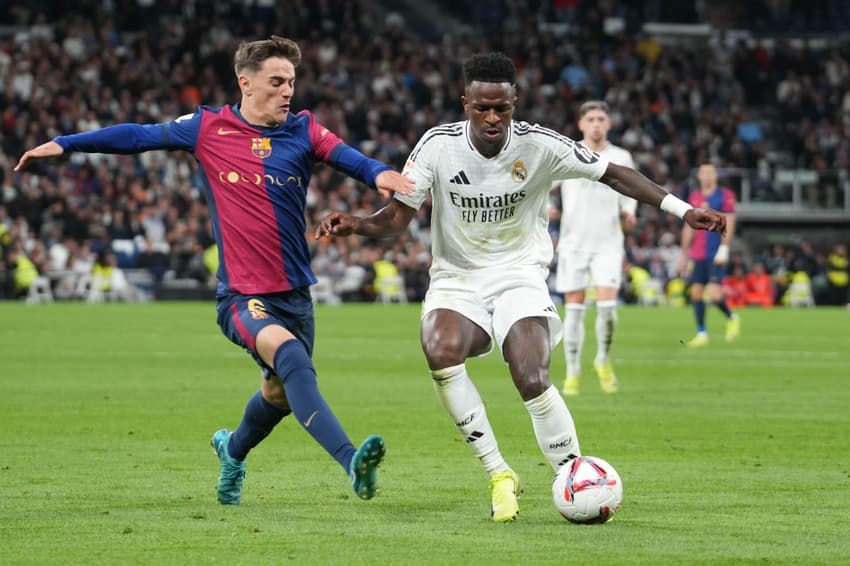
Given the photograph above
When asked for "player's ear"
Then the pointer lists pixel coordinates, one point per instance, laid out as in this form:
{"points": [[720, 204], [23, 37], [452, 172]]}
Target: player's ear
{"points": [[244, 84]]}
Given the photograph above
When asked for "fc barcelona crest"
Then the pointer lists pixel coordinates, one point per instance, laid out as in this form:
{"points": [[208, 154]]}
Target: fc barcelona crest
{"points": [[261, 147], [519, 173]]}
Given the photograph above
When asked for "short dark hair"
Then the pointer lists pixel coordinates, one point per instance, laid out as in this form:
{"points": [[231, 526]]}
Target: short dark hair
{"points": [[493, 67], [250, 55], [593, 105]]}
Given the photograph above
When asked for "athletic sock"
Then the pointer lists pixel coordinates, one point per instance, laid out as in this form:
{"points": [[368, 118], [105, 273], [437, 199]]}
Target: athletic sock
{"points": [[573, 337], [461, 400], [606, 323], [699, 314], [258, 421], [554, 427], [295, 369], [724, 308]]}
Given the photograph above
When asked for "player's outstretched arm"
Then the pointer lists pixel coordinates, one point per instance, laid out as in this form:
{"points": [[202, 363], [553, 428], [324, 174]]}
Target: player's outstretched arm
{"points": [[387, 222], [631, 183], [45, 150]]}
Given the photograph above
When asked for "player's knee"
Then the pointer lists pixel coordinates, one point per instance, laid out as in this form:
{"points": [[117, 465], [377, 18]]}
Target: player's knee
{"points": [[291, 360], [269, 340], [531, 383], [443, 351]]}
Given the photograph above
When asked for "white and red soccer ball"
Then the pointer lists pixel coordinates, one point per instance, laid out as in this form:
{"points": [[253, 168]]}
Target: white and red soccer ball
{"points": [[587, 489]]}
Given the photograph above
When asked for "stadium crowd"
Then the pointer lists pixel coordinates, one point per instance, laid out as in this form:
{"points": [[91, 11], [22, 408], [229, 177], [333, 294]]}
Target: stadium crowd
{"points": [[365, 76]]}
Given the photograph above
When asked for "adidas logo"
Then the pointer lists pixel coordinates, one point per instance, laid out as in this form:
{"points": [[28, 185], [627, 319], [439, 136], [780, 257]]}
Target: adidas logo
{"points": [[460, 179], [475, 435]]}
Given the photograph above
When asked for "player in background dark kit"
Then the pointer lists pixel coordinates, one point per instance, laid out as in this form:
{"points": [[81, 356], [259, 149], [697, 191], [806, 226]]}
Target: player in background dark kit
{"points": [[257, 158], [709, 254]]}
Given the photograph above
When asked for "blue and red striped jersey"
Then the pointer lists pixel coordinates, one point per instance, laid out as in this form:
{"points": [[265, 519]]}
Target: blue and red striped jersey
{"points": [[704, 244], [256, 180]]}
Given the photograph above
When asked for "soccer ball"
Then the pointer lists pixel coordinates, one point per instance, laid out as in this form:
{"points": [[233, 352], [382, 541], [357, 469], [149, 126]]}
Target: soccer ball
{"points": [[587, 489]]}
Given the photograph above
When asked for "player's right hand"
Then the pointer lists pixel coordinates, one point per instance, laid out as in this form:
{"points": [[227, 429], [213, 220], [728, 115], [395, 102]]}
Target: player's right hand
{"points": [[49, 149], [337, 224], [706, 219]]}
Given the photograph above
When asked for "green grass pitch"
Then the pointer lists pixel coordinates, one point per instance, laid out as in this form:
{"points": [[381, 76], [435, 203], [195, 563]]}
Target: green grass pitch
{"points": [[733, 454]]}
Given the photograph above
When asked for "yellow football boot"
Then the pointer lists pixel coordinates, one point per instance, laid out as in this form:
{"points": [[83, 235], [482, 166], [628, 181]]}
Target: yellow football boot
{"points": [[733, 328], [607, 380], [504, 491], [571, 384]]}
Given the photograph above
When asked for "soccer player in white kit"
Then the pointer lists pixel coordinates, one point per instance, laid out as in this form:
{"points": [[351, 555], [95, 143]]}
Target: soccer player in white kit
{"points": [[489, 178], [590, 250]]}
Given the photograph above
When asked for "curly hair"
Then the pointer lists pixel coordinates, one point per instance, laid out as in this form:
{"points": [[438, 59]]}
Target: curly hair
{"points": [[493, 67], [250, 55]]}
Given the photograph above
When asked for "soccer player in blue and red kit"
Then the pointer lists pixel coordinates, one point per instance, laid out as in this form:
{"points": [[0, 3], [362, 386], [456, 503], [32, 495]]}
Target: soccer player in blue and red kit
{"points": [[709, 254], [257, 158]]}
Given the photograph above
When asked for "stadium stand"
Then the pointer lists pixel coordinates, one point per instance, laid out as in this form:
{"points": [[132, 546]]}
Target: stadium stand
{"points": [[760, 88]]}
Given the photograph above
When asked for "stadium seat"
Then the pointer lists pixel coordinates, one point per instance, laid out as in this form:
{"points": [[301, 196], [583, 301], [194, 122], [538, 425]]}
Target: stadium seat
{"points": [[652, 293], [392, 289], [800, 293], [323, 291], [39, 291]]}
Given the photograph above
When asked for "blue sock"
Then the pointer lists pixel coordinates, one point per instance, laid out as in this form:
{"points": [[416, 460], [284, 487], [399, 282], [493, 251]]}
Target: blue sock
{"points": [[295, 369], [258, 421], [699, 313], [724, 308]]}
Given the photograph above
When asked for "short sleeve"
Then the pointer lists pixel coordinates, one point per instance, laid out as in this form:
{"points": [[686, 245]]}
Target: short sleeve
{"points": [[571, 159], [729, 201], [420, 168]]}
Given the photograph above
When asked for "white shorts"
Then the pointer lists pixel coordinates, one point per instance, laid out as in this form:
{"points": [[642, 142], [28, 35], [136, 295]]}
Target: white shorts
{"points": [[495, 300], [579, 269]]}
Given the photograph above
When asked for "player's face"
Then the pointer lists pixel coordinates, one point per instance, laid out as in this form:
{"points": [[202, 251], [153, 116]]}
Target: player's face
{"points": [[707, 176], [595, 125], [490, 107], [266, 94]]}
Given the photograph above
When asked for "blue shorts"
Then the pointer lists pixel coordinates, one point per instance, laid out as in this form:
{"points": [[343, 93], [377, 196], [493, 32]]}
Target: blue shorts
{"points": [[706, 271], [241, 317]]}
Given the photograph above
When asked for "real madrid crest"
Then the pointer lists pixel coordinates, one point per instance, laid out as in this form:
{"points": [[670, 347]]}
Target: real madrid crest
{"points": [[519, 173]]}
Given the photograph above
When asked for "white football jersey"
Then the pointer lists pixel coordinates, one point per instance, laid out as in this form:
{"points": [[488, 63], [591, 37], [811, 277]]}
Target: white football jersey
{"points": [[590, 218], [493, 212]]}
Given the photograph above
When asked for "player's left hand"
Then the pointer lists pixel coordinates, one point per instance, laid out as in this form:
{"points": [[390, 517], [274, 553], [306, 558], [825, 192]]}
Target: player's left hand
{"points": [[394, 181], [706, 219]]}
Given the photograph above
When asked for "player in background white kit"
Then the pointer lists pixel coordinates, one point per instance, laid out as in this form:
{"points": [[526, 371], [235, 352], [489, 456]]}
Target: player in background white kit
{"points": [[489, 178], [590, 251]]}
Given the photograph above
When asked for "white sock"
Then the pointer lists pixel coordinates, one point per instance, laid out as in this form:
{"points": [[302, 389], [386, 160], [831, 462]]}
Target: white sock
{"points": [[554, 427], [463, 403], [606, 323], [573, 337]]}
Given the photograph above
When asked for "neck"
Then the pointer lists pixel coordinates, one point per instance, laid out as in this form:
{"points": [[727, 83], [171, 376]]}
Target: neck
{"points": [[595, 146], [255, 118], [488, 150]]}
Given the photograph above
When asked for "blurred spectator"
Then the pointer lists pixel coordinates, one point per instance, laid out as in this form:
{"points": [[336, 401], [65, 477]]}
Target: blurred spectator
{"points": [[23, 270], [838, 276], [735, 288], [755, 104], [759, 289]]}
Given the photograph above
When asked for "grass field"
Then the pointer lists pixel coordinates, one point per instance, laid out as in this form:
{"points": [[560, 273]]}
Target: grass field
{"points": [[736, 453]]}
